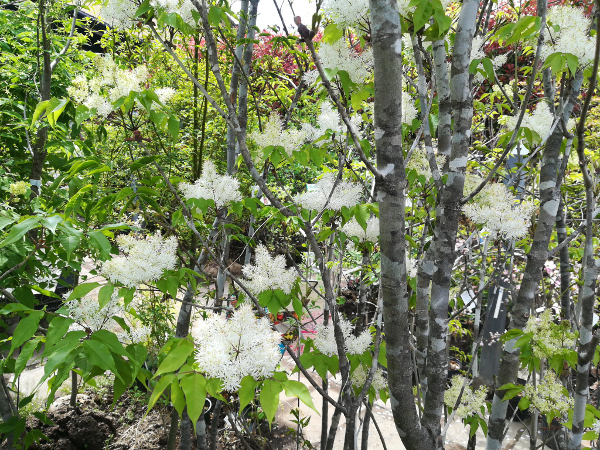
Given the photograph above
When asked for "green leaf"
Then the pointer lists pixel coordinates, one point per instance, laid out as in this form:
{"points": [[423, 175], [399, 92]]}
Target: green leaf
{"points": [[297, 389], [177, 396], [26, 329], [173, 127], [269, 398], [362, 213], [69, 243], [38, 111], [176, 357], [81, 290], [246, 391], [143, 9], [572, 62], [214, 15], [172, 286], [14, 307], [57, 329], [99, 355], [332, 34], [524, 403], [51, 222], [144, 160], [489, 69], [159, 389], [194, 388], [111, 341], [103, 244], [105, 295], [26, 354], [422, 14], [19, 230]]}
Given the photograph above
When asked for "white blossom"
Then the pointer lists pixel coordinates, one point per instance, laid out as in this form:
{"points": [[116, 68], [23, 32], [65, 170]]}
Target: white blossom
{"points": [[110, 84], [87, 314], [496, 208], [119, 13], [268, 273], [235, 348], [165, 94], [222, 189], [339, 56], [549, 396], [540, 120], [330, 119], [359, 378], [549, 338], [145, 259], [274, 134], [353, 229], [470, 402], [182, 7], [310, 77], [409, 112], [345, 194], [324, 339], [411, 267], [18, 188], [477, 48], [573, 35], [499, 60], [346, 12], [418, 161]]}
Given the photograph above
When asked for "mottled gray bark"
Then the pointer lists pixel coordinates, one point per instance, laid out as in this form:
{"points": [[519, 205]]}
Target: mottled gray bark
{"points": [[201, 432], [387, 55], [565, 263], [186, 432], [537, 256], [591, 271], [234, 82], [448, 213]]}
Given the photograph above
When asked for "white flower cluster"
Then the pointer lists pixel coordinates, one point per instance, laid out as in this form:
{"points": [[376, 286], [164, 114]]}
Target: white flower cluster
{"points": [[409, 112], [232, 349], [496, 208], [359, 378], [145, 259], [18, 188], [165, 94], [324, 340], [274, 134], [549, 396], [182, 7], [119, 13], [222, 189], [330, 119], [268, 273], [345, 194], [111, 84], [346, 12], [470, 402], [549, 338], [353, 229], [573, 35], [418, 161], [507, 88], [86, 312], [411, 267], [339, 56], [539, 120], [477, 47]]}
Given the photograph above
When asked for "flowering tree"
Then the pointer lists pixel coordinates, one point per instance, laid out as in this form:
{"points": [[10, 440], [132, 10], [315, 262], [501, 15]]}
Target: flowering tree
{"points": [[417, 140]]}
